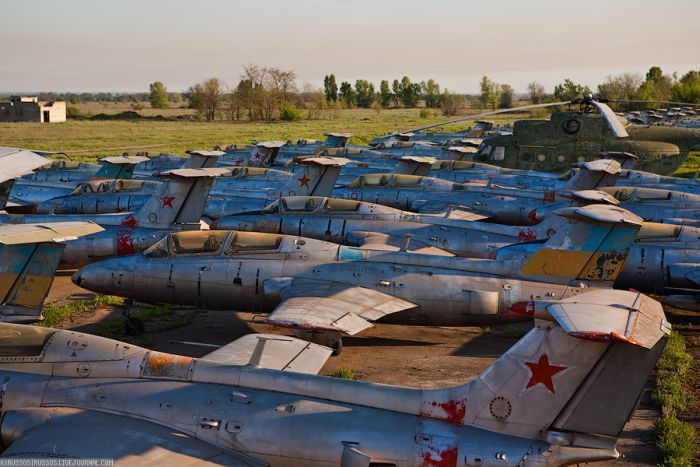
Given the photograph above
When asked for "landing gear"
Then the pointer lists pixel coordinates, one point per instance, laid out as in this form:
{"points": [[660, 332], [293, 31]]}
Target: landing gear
{"points": [[132, 326], [329, 339]]}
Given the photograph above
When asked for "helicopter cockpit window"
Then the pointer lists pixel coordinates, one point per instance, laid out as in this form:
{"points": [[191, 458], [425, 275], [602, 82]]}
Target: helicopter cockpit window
{"points": [[248, 242], [198, 242], [341, 205], [272, 208], [300, 203], [23, 341], [499, 153], [571, 126], [402, 180], [158, 249]]}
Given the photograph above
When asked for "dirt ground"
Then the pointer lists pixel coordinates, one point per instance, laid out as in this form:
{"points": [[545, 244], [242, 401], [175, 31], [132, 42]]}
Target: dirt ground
{"points": [[391, 354]]}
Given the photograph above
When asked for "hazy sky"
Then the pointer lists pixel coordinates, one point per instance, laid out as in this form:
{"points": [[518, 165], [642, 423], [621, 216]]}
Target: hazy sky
{"points": [[88, 45]]}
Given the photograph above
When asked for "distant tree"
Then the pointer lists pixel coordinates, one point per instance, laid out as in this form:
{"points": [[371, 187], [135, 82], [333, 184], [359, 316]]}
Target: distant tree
{"points": [[569, 91], [206, 98], [431, 93], [656, 87], [158, 96], [330, 88], [506, 98], [409, 93], [87, 97], [385, 95], [396, 92], [688, 88], [74, 99], [364, 93], [281, 81], [536, 91], [347, 95], [490, 93], [623, 87]]}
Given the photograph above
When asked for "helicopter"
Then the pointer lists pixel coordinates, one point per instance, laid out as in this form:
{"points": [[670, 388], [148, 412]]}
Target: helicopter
{"points": [[573, 136]]}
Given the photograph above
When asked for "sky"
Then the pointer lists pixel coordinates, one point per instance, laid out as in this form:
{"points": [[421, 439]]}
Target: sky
{"points": [[123, 45]]}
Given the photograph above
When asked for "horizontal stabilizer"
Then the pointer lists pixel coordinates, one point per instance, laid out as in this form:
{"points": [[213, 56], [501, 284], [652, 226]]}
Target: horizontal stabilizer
{"points": [[604, 316], [274, 352], [17, 162], [16, 234]]}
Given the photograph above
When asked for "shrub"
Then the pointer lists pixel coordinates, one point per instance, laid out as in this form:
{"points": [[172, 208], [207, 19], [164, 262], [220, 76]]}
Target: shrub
{"points": [[676, 441], [290, 113], [425, 113], [344, 373]]}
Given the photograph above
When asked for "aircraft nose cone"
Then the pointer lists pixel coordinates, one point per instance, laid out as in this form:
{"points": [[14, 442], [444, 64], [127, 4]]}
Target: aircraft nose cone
{"points": [[114, 276], [77, 278]]}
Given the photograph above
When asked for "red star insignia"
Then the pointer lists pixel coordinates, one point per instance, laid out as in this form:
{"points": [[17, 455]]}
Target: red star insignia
{"points": [[257, 155], [542, 373], [304, 181], [168, 201]]}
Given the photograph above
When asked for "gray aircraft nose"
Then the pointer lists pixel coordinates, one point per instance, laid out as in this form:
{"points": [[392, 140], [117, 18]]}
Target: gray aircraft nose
{"points": [[112, 276]]}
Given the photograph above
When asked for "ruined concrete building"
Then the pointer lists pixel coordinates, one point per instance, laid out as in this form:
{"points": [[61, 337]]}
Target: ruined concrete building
{"points": [[29, 109]]}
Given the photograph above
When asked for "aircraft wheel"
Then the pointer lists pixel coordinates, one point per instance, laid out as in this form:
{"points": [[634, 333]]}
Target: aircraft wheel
{"points": [[134, 326]]}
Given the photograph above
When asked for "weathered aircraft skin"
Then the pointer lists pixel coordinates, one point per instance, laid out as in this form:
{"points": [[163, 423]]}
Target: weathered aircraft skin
{"points": [[656, 251], [305, 282], [549, 400]]}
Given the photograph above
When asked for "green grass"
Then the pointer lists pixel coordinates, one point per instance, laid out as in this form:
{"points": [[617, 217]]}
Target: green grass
{"points": [[54, 314], [676, 440], [344, 373], [114, 328], [90, 139]]}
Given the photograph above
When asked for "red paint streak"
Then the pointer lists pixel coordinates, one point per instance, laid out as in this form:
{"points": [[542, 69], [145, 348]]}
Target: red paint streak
{"points": [[526, 235], [523, 308], [446, 458], [542, 373], [604, 337], [548, 196], [125, 243], [452, 411], [532, 216], [129, 221]]}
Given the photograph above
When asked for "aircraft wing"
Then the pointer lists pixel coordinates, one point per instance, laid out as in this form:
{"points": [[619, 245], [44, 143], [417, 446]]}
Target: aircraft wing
{"points": [[74, 433], [634, 318], [273, 351], [15, 234], [17, 162], [330, 306]]}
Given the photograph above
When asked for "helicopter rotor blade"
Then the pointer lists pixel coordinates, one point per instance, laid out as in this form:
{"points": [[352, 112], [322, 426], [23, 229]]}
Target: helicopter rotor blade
{"points": [[623, 101], [485, 114], [616, 126]]}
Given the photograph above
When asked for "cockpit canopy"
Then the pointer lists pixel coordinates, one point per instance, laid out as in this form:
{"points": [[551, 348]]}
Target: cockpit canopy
{"points": [[292, 204], [387, 180], [110, 186], [23, 341], [231, 243]]}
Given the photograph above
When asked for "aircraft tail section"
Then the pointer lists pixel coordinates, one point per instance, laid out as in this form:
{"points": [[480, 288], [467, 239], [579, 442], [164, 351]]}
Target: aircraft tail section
{"points": [[118, 167], [315, 176], [27, 278], [591, 246], [415, 165], [594, 174], [180, 200], [573, 381], [201, 159], [264, 154]]}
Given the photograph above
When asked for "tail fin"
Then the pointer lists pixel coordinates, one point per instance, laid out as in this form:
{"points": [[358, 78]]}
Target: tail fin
{"points": [[573, 381], [264, 154], [415, 165], [118, 167], [594, 174], [336, 140], [30, 254], [315, 176], [180, 200], [593, 246], [201, 159]]}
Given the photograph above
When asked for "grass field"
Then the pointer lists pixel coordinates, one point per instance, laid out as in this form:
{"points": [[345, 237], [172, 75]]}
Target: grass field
{"points": [[89, 139]]}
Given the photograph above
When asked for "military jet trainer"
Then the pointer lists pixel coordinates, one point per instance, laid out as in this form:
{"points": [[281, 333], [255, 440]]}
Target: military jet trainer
{"points": [[553, 398], [321, 289]]}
